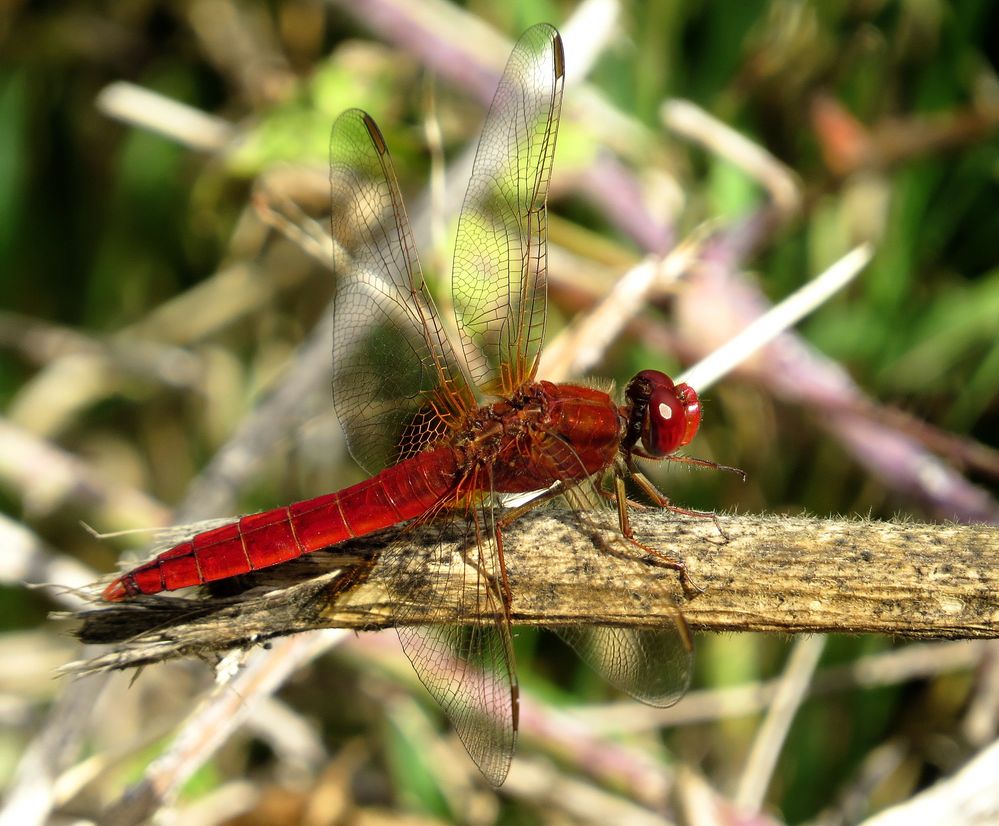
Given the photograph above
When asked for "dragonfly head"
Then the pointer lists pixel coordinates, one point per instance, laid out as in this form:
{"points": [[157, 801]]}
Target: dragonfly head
{"points": [[663, 415]]}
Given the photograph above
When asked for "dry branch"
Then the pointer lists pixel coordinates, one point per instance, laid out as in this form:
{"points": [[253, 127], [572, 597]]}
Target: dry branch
{"points": [[758, 574]]}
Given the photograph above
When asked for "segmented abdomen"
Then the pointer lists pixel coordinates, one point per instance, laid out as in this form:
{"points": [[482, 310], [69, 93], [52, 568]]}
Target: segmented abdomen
{"points": [[401, 492]]}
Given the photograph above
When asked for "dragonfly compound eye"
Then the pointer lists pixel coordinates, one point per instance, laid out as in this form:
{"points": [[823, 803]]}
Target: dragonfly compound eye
{"points": [[672, 414]]}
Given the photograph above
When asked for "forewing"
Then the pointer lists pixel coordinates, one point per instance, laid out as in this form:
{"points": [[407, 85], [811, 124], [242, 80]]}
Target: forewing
{"points": [[500, 259], [394, 371], [466, 665]]}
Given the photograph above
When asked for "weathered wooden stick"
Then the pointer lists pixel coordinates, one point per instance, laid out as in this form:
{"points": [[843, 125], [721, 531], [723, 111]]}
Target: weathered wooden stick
{"points": [[758, 573]]}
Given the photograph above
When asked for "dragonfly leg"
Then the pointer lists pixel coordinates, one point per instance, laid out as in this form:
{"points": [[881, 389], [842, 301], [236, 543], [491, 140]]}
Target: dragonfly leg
{"points": [[504, 582], [611, 496], [690, 460], [662, 501], [497, 582], [496, 589], [487, 527], [673, 562], [657, 496]]}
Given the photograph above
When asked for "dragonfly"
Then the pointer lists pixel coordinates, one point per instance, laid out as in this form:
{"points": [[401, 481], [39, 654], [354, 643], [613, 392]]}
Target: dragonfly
{"points": [[449, 425]]}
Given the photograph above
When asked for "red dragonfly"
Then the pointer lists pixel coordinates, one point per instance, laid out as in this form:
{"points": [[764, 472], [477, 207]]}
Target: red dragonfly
{"points": [[447, 430]]}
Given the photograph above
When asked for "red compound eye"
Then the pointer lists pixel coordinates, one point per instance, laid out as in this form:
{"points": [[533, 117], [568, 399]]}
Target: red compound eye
{"points": [[671, 415]]}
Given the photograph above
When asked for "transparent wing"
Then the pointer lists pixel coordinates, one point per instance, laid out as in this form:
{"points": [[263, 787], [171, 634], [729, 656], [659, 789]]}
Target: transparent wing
{"points": [[467, 666], [394, 371], [500, 259], [651, 664]]}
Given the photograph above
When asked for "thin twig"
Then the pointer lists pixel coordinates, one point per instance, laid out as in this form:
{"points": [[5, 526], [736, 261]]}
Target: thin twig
{"points": [[242, 43], [213, 722], [968, 798], [544, 786], [43, 343], [31, 792], [771, 735], [580, 346], [720, 302], [767, 327], [48, 479], [691, 121], [28, 559], [981, 719], [142, 107]]}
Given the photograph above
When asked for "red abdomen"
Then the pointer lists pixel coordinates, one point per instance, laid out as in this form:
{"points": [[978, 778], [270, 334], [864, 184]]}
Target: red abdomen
{"points": [[401, 492]]}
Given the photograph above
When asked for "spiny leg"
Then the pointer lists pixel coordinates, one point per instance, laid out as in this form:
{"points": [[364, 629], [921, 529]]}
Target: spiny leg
{"points": [[506, 594], [638, 451], [660, 499], [506, 600], [705, 463], [673, 562], [474, 512], [508, 518], [497, 588]]}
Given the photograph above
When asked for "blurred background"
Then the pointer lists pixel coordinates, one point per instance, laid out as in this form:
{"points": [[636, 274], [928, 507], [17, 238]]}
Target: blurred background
{"points": [[163, 358]]}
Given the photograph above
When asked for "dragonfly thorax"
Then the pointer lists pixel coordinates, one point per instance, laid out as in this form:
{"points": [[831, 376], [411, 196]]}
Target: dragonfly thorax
{"points": [[543, 434]]}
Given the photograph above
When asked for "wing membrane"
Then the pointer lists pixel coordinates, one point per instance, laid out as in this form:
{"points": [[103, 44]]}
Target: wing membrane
{"points": [[399, 387], [651, 664], [467, 666], [500, 260], [392, 362]]}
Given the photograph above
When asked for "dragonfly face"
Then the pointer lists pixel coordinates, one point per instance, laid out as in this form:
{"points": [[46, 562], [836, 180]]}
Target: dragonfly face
{"points": [[664, 416]]}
